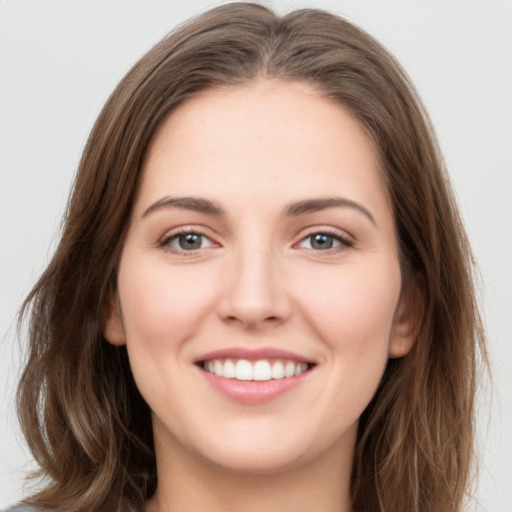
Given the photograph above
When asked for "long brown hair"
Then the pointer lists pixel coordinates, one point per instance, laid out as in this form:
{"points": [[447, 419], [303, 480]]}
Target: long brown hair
{"points": [[84, 420]]}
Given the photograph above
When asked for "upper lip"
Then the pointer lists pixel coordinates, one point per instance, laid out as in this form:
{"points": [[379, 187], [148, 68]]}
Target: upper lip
{"points": [[253, 354]]}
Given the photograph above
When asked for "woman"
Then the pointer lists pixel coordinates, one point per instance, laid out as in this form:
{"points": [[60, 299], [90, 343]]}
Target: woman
{"points": [[262, 297]]}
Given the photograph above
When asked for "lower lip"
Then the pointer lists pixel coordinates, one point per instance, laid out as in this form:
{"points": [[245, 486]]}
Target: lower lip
{"points": [[254, 391]]}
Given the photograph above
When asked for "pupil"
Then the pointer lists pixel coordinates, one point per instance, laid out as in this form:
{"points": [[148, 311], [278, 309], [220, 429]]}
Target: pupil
{"points": [[190, 241], [320, 241]]}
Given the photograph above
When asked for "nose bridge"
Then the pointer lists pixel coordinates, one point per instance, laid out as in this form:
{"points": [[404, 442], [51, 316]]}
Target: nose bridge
{"points": [[255, 294]]}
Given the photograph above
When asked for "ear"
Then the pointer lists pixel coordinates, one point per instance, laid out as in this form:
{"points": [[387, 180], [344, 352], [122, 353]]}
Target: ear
{"points": [[407, 320], [113, 330]]}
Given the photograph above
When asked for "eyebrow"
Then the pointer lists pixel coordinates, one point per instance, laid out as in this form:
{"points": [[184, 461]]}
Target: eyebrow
{"points": [[306, 206], [197, 204], [294, 209]]}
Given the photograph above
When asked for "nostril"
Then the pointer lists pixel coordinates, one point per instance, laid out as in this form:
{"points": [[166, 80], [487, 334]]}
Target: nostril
{"points": [[251, 321]]}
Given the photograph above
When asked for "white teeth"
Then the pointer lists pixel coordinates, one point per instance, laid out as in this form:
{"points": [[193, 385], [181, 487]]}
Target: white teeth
{"points": [[289, 369], [260, 370], [243, 370], [229, 370], [301, 368], [277, 370]]}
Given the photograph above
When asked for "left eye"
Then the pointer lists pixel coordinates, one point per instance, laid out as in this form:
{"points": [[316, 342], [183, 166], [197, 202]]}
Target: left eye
{"points": [[189, 241], [321, 242]]}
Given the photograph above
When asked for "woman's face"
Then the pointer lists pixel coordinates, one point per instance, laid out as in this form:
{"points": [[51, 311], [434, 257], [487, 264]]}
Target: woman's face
{"points": [[259, 284]]}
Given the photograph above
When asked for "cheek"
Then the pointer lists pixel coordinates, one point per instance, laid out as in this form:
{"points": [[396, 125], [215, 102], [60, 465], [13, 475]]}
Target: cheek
{"points": [[162, 306], [352, 310], [354, 321], [162, 310]]}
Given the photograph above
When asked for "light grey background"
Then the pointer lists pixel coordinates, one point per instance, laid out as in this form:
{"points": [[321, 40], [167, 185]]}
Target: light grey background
{"points": [[59, 60]]}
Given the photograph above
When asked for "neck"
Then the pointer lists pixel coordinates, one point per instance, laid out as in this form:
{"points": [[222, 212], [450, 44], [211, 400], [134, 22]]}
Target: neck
{"points": [[188, 482]]}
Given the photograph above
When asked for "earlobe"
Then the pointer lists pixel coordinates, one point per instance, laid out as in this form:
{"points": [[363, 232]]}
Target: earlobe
{"points": [[113, 330], [407, 321]]}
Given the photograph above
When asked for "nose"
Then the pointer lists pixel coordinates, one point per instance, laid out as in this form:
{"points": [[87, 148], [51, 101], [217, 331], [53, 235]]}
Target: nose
{"points": [[255, 294]]}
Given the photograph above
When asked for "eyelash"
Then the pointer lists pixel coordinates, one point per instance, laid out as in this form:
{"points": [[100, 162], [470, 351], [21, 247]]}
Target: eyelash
{"points": [[344, 241]]}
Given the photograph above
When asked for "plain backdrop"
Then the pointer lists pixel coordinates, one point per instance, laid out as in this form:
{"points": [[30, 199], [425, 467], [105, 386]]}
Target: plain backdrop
{"points": [[59, 60]]}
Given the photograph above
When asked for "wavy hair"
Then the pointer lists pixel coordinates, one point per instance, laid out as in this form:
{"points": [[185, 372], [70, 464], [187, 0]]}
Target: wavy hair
{"points": [[83, 417]]}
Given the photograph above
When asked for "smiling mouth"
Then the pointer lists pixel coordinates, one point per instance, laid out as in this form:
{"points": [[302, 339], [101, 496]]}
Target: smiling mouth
{"points": [[259, 370]]}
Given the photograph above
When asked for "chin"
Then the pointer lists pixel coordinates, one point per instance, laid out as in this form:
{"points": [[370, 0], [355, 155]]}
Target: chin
{"points": [[271, 451], [250, 462]]}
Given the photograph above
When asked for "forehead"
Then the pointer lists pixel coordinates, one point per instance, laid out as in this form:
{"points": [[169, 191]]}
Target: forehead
{"points": [[265, 137]]}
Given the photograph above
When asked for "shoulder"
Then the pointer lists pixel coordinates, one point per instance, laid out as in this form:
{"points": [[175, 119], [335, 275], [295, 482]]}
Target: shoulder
{"points": [[24, 508]]}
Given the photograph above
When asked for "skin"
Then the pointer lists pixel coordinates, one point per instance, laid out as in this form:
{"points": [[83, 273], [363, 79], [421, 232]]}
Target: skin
{"points": [[257, 281]]}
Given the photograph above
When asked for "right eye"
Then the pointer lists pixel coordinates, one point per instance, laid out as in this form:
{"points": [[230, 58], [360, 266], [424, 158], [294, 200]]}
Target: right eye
{"points": [[321, 242], [187, 241]]}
